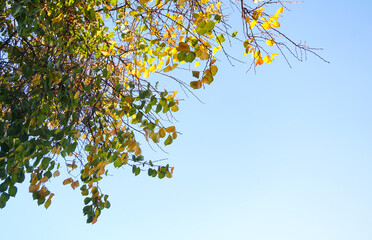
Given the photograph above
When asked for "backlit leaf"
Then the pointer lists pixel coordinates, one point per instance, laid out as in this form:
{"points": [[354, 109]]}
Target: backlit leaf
{"points": [[266, 25]]}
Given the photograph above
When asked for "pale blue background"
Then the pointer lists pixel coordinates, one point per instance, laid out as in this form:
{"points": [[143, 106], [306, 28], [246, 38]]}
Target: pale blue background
{"points": [[282, 154]]}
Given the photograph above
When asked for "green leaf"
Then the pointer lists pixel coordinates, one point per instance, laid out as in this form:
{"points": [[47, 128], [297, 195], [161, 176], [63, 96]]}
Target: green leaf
{"points": [[210, 25], [190, 57], [148, 108], [118, 163], [87, 200], [12, 191], [181, 56], [220, 39], [217, 17], [158, 108], [4, 197], [45, 162], [26, 71], [111, 34], [138, 171], [40, 201], [89, 219], [71, 147], [92, 14], [87, 209], [4, 186], [168, 141], [161, 175]]}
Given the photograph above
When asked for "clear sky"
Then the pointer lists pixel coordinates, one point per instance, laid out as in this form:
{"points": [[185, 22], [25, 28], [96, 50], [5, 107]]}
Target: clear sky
{"points": [[283, 154]]}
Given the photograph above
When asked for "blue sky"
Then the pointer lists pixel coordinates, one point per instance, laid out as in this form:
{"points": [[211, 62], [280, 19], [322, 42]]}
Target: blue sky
{"points": [[282, 154]]}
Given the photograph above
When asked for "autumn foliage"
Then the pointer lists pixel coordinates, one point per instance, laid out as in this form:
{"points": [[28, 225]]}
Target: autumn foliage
{"points": [[77, 91]]}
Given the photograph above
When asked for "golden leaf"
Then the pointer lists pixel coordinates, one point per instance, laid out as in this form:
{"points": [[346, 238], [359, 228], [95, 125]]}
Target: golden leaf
{"points": [[266, 25], [170, 129], [161, 132], [270, 42], [174, 108], [267, 59], [276, 24]]}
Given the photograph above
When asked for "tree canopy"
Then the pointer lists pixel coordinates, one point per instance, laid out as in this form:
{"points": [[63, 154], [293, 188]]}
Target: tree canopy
{"points": [[77, 90]]}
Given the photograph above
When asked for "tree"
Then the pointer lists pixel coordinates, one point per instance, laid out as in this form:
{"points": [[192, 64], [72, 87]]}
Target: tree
{"points": [[76, 86]]}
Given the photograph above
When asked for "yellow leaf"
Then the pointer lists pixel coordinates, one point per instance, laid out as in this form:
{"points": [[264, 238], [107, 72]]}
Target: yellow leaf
{"points": [[155, 137], [146, 74], [174, 66], [247, 19], [252, 24], [152, 68], [161, 132], [105, 53], [266, 25], [160, 65], [280, 10], [170, 129], [218, 5], [197, 64], [204, 1], [76, 95], [270, 42], [276, 24], [174, 135], [273, 55], [204, 55], [257, 55], [58, 18], [124, 158], [214, 70], [36, 80], [272, 19], [174, 108], [267, 59], [181, 2], [47, 203], [138, 152]]}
